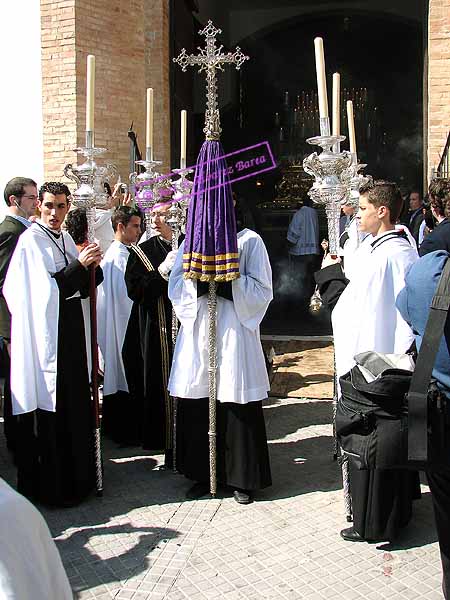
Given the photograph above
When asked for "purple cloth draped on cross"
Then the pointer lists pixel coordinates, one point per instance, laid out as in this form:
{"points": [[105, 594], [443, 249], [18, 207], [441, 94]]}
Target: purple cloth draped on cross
{"points": [[210, 247]]}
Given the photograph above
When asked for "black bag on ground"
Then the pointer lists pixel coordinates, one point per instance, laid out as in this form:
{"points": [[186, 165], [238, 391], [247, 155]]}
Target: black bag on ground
{"points": [[400, 419]]}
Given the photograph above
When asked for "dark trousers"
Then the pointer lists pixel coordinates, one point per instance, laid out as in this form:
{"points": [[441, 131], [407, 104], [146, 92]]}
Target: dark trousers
{"points": [[439, 482], [10, 421]]}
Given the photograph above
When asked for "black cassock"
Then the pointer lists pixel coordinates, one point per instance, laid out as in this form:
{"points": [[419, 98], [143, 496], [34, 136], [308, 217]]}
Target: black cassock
{"points": [[55, 456], [381, 500], [151, 317]]}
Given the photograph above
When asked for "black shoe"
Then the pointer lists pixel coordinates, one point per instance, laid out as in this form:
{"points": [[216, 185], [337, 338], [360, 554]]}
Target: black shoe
{"points": [[350, 535], [198, 490], [242, 496]]}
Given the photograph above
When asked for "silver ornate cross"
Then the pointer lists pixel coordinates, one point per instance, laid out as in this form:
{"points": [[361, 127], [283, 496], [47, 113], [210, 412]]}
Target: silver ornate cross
{"points": [[210, 60]]}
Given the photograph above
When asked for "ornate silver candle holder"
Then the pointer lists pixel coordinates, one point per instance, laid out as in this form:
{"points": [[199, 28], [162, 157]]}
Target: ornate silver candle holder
{"points": [[149, 187], [181, 199], [90, 194], [329, 188], [90, 178], [355, 180]]}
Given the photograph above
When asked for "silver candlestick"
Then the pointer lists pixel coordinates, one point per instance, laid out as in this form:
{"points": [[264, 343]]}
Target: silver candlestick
{"points": [[177, 218], [177, 221], [355, 180], [90, 194], [143, 184], [329, 188]]}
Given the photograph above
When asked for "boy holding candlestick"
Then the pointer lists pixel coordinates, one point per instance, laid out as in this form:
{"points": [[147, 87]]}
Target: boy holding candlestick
{"points": [[46, 280]]}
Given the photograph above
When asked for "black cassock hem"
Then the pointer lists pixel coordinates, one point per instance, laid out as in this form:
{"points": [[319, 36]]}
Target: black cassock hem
{"points": [[242, 451]]}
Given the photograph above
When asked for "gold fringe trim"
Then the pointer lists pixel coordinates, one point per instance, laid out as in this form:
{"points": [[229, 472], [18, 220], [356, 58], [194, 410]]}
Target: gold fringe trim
{"points": [[218, 278], [165, 353], [212, 267], [205, 257]]}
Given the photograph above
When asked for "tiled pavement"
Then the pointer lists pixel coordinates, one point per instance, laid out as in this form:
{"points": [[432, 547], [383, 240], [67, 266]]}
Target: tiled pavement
{"points": [[143, 541]]}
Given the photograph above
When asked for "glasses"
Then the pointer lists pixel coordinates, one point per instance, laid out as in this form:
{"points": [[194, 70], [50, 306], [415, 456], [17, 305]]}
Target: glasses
{"points": [[30, 197]]}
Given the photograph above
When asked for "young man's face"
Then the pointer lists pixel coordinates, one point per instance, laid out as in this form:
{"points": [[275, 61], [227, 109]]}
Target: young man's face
{"points": [[369, 217], [131, 232], [27, 202], [53, 209]]}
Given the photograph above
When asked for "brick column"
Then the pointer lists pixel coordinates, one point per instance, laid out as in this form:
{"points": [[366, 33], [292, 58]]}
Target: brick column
{"points": [[58, 85], [157, 70], [438, 79], [130, 41]]}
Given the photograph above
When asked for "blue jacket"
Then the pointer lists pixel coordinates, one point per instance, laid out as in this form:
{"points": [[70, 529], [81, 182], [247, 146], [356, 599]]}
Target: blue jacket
{"points": [[414, 301]]}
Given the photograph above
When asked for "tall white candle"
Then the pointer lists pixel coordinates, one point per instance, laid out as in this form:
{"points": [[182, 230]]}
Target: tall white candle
{"points": [[336, 104], [351, 126], [321, 78], [90, 92], [149, 123], [183, 139]]}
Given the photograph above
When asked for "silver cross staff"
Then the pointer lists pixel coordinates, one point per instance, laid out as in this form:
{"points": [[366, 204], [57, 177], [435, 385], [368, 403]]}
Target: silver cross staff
{"points": [[210, 60]]}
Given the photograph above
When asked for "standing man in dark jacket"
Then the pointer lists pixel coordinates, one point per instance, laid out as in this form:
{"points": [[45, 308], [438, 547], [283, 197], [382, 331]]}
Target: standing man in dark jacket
{"points": [[415, 214], [21, 198], [439, 238]]}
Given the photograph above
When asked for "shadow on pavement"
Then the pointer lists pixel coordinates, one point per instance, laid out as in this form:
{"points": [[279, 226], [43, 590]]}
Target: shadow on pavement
{"points": [[284, 419], [85, 572]]}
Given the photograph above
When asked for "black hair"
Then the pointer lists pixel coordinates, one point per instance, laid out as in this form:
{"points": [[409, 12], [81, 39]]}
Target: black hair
{"points": [[384, 193], [76, 224], [55, 188], [124, 214], [15, 187], [439, 192]]}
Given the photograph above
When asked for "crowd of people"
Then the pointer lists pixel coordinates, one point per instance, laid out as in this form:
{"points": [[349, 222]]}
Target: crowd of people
{"points": [[45, 276], [378, 290]]}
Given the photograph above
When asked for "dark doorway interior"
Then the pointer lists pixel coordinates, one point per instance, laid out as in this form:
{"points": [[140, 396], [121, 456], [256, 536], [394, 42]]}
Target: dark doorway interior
{"points": [[380, 59]]}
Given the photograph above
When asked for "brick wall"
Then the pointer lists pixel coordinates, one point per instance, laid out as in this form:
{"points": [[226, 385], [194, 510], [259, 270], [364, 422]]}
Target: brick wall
{"points": [[438, 79], [157, 74], [58, 84], [130, 43]]}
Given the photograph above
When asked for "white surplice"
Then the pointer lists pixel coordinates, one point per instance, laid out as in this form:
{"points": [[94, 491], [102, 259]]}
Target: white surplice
{"points": [[113, 313], [351, 245], [103, 229], [32, 295], [30, 565], [241, 372], [365, 316]]}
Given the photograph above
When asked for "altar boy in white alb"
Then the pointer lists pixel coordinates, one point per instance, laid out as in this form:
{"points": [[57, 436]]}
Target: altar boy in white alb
{"points": [[242, 382], [365, 318], [120, 416], [49, 377]]}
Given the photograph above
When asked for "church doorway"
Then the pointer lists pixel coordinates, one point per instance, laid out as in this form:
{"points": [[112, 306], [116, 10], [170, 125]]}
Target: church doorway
{"points": [[378, 51]]}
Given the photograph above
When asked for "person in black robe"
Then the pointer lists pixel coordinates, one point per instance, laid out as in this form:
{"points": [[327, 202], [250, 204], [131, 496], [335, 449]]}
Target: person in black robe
{"points": [[55, 456], [146, 279], [381, 499]]}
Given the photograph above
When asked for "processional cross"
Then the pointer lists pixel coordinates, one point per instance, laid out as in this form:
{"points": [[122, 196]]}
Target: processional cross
{"points": [[213, 240], [211, 59]]}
